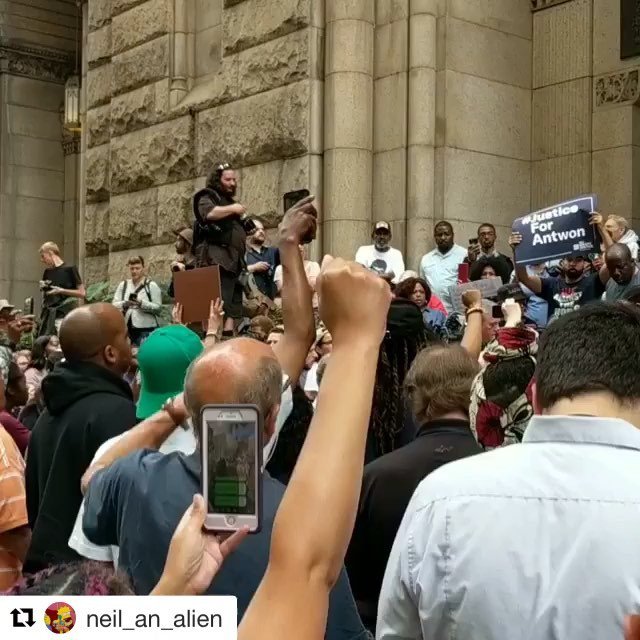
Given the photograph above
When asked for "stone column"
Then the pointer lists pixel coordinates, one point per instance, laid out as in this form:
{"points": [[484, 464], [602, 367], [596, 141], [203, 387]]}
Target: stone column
{"points": [[421, 130], [82, 192], [348, 119]]}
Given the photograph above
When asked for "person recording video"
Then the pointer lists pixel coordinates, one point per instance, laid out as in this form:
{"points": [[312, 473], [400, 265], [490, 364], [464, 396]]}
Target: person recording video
{"points": [[61, 288], [219, 237]]}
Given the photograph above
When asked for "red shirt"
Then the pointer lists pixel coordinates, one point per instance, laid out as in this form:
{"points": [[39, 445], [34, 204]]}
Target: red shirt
{"points": [[436, 304], [16, 430]]}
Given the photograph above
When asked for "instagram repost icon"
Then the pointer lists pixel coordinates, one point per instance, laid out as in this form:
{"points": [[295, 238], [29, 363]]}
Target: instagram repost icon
{"points": [[60, 617]]}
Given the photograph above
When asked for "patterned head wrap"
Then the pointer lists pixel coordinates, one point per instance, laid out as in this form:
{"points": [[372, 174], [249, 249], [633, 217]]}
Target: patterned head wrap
{"points": [[494, 425]]}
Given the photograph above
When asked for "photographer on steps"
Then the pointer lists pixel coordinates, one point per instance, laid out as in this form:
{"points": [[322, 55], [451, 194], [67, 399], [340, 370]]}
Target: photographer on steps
{"points": [[140, 299]]}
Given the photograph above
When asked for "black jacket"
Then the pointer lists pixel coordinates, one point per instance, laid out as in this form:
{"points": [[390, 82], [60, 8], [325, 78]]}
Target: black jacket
{"points": [[86, 405], [387, 487]]}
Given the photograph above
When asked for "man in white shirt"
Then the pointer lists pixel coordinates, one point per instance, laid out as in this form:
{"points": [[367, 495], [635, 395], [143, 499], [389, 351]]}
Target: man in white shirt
{"points": [[381, 256], [537, 540], [440, 266], [140, 299]]}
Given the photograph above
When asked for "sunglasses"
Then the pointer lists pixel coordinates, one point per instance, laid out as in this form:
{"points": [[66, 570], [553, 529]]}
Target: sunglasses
{"points": [[223, 167]]}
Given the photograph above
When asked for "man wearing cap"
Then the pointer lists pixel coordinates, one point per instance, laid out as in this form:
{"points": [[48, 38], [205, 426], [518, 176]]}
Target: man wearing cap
{"points": [[163, 361], [185, 260], [381, 256]]}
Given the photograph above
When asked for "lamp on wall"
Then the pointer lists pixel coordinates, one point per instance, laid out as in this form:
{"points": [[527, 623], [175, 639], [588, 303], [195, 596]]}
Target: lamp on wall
{"points": [[72, 122], [72, 104]]}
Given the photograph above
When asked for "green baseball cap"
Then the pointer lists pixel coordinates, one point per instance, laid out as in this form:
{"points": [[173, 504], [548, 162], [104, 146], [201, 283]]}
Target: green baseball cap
{"points": [[163, 360]]}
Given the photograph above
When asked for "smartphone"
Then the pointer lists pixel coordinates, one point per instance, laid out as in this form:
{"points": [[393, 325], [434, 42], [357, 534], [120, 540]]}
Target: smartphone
{"points": [[496, 312], [231, 467], [293, 197], [463, 272], [473, 241], [28, 306], [133, 297]]}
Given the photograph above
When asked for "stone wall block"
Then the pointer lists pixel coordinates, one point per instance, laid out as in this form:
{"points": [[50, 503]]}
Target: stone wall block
{"points": [[141, 24], [99, 86], [98, 126], [263, 186], [142, 65], [157, 155], [253, 22], [258, 129], [96, 229], [157, 259], [96, 269], [274, 64], [562, 43], [97, 165], [558, 179], [562, 119], [174, 209], [99, 13], [99, 46], [140, 108], [118, 6], [132, 219]]}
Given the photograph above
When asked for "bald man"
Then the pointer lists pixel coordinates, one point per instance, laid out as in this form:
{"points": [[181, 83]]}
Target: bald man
{"points": [[87, 402], [622, 271]]}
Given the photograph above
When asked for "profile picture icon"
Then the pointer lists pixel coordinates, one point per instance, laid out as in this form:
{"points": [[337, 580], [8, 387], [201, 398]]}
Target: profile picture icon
{"points": [[60, 617]]}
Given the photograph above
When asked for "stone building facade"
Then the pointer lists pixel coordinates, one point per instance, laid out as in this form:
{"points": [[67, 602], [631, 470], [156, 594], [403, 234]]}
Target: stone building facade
{"points": [[406, 110]]}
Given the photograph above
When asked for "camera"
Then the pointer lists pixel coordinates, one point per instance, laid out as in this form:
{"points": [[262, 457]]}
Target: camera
{"points": [[248, 225], [175, 268]]}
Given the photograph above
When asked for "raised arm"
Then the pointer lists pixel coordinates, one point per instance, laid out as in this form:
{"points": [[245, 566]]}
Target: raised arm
{"points": [[522, 275], [474, 312], [307, 545], [597, 220], [298, 224]]}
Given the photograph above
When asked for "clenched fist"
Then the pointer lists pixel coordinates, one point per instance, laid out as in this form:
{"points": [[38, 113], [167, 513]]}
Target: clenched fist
{"points": [[353, 302]]}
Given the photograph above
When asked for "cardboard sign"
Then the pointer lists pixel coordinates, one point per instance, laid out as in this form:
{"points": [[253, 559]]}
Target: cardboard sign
{"points": [[195, 290], [488, 287], [557, 232]]}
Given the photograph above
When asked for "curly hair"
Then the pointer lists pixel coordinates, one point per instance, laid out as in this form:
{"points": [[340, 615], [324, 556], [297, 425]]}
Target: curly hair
{"points": [[500, 267], [406, 287], [439, 381]]}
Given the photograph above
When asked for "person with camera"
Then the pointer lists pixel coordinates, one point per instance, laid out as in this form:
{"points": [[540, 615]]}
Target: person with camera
{"points": [[140, 299], [219, 237], [61, 287]]}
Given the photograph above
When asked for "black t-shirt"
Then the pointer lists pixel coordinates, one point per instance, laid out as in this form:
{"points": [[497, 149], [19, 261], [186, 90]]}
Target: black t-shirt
{"points": [[563, 297], [65, 277]]}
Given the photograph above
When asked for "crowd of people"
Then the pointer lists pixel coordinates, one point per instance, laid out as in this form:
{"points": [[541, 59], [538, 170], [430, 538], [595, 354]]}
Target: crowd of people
{"points": [[436, 464]]}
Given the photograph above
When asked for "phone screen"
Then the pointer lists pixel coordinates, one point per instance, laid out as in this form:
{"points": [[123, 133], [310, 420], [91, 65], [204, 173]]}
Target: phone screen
{"points": [[232, 467], [293, 197]]}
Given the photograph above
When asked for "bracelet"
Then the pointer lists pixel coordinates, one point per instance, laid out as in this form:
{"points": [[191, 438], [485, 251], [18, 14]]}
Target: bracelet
{"points": [[468, 312], [211, 334]]}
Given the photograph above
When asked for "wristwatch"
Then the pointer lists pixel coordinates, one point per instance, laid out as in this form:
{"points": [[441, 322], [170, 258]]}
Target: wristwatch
{"points": [[175, 416]]}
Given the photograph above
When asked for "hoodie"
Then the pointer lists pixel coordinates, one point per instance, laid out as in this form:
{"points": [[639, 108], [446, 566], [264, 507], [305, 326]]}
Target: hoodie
{"points": [[630, 238], [85, 405]]}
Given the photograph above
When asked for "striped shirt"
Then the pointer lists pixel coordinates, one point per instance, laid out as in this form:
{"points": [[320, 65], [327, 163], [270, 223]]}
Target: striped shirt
{"points": [[13, 506]]}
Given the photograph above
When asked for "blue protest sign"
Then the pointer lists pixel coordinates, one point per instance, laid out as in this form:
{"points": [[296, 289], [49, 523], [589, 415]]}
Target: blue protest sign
{"points": [[557, 232]]}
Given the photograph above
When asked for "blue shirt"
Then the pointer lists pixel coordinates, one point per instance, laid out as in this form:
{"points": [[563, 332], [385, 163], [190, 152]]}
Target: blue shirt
{"points": [[538, 540], [264, 279], [137, 503], [440, 270]]}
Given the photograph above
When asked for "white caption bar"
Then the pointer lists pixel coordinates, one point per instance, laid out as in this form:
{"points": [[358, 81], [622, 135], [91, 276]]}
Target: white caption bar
{"points": [[138, 617]]}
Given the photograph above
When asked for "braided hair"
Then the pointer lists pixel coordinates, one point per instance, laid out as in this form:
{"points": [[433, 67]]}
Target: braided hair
{"points": [[406, 336]]}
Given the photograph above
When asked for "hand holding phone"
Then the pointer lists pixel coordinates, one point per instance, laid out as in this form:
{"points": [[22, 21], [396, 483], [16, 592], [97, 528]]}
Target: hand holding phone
{"points": [[232, 467]]}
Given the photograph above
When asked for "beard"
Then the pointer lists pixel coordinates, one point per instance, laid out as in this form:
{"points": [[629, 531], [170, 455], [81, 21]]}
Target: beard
{"points": [[230, 191]]}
